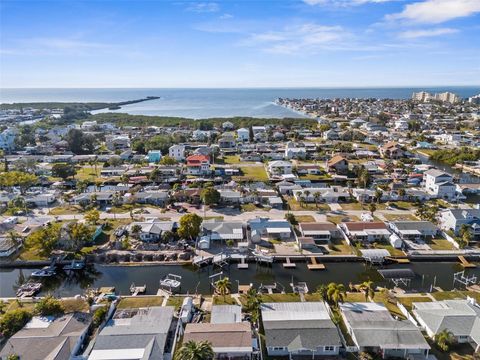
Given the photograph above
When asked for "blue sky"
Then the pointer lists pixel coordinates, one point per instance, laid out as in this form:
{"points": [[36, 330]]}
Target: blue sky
{"points": [[268, 43]]}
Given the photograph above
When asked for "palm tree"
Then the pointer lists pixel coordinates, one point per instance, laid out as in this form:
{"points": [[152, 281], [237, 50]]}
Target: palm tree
{"points": [[378, 195], [368, 288], [316, 196], [192, 350], [252, 304], [444, 339], [307, 194], [322, 291], [223, 286], [336, 293], [372, 207]]}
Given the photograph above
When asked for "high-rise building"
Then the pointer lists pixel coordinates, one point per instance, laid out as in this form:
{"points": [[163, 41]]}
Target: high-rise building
{"points": [[447, 97], [421, 96], [474, 99]]}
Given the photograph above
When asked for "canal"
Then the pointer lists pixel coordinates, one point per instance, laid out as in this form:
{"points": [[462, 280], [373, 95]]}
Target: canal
{"points": [[121, 277]]}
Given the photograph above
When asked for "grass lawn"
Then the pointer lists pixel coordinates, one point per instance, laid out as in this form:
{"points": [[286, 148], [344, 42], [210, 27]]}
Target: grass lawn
{"points": [[140, 301], [221, 300], [30, 254], [408, 301], [304, 218], [337, 219], [88, 173], [66, 210], [400, 217], [340, 247], [175, 301], [252, 173], [231, 159], [355, 297], [391, 249], [353, 206], [280, 298], [315, 177], [450, 295], [213, 217], [72, 305], [440, 244], [252, 207], [294, 205], [392, 307]]}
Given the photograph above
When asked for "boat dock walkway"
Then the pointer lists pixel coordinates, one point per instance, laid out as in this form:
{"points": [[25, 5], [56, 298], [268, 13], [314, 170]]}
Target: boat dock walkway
{"points": [[315, 265], [465, 262], [288, 264]]}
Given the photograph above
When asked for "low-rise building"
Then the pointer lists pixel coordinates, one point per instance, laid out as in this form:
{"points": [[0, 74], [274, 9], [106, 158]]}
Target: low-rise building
{"points": [[299, 329], [366, 231], [322, 233], [177, 152], [198, 165], [53, 338], [454, 219], [439, 184], [414, 230], [373, 329]]}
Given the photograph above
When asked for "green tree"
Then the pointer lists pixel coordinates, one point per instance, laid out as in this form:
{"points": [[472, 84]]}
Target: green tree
{"points": [[13, 357], [322, 291], [80, 143], [79, 235], [378, 195], [210, 196], [189, 226], [63, 171], [136, 230], [92, 216], [368, 288], [444, 339], [17, 178], [336, 293], [252, 305], [372, 208], [49, 306], [99, 315], [192, 350], [13, 321], [222, 286], [44, 240], [168, 160]]}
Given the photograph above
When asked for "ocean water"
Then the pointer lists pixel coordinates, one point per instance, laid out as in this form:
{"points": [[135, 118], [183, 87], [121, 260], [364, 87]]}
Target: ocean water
{"points": [[206, 103]]}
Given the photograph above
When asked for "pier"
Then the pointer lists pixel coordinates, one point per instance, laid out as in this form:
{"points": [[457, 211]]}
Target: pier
{"points": [[464, 262], [315, 265], [288, 264]]}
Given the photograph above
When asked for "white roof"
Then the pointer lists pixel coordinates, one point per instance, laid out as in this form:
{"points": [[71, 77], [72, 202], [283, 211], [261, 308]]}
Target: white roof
{"points": [[117, 354]]}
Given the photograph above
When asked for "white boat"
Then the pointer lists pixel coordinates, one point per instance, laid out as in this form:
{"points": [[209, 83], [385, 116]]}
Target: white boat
{"points": [[75, 265], [171, 282], [45, 272]]}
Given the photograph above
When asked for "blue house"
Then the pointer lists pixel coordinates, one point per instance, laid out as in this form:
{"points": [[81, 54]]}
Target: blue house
{"points": [[154, 156]]}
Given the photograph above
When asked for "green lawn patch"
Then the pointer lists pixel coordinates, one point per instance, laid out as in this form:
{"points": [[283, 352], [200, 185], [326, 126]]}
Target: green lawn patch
{"points": [[223, 300], [400, 217], [337, 219], [252, 173], [304, 218], [440, 244], [73, 305], [340, 247], [408, 301], [66, 210], [231, 159], [88, 173], [175, 301], [135, 302], [266, 298]]}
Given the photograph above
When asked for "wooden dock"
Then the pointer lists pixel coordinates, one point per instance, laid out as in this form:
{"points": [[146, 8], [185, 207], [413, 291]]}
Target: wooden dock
{"points": [[288, 264], [465, 263], [398, 260], [242, 264], [315, 265]]}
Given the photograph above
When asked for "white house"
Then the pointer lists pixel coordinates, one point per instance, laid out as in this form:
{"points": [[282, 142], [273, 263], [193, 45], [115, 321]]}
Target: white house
{"points": [[280, 167], [294, 152], [177, 152], [7, 139], [453, 219], [243, 135], [439, 184], [460, 317], [299, 329]]}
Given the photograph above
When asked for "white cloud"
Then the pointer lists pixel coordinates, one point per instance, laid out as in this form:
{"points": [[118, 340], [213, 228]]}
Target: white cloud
{"points": [[226, 16], [298, 39], [436, 11], [414, 34], [203, 7], [344, 3]]}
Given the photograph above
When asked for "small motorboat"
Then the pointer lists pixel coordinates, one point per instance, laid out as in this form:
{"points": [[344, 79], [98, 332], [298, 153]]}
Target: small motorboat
{"points": [[29, 289], [171, 282], [74, 265], [47, 271], [135, 290]]}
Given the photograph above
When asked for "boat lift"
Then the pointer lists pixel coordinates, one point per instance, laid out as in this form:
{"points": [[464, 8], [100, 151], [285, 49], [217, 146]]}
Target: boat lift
{"points": [[464, 279], [398, 276], [213, 278]]}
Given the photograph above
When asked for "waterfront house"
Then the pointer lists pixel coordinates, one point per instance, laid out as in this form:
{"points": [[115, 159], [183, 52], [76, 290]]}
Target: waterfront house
{"points": [[117, 142], [454, 219], [414, 230], [228, 340], [366, 231], [198, 165], [299, 329], [142, 333], [8, 246], [151, 230], [226, 314], [332, 194], [322, 233], [270, 229], [220, 230], [373, 329], [460, 317], [47, 337], [439, 184]]}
